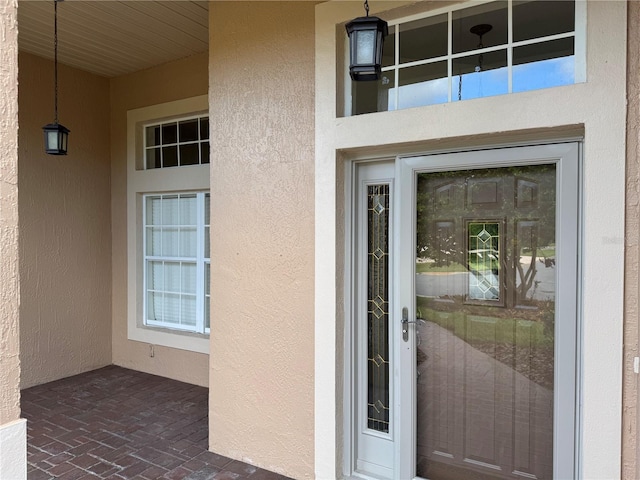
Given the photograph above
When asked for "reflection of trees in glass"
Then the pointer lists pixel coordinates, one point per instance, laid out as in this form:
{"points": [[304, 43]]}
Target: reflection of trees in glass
{"points": [[525, 197]]}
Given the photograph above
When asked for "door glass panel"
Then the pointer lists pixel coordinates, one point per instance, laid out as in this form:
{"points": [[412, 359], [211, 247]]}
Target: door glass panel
{"points": [[378, 308], [485, 300]]}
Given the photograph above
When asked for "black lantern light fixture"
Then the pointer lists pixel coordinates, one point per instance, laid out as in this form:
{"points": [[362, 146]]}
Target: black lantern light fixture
{"points": [[56, 136], [366, 37]]}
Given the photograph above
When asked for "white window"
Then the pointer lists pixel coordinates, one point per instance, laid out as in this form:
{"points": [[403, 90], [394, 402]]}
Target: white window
{"points": [[168, 224], [177, 143], [176, 270], [482, 50]]}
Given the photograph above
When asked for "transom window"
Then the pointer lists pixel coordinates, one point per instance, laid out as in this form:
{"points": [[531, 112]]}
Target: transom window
{"points": [[482, 50], [177, 261], [177, 143]]}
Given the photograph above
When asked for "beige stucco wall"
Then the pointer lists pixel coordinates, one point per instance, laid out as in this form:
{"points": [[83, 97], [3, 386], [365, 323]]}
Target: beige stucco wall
{"points": [[172, 81], [630, 464], [9, 292], [262, 113], [65, 241]]}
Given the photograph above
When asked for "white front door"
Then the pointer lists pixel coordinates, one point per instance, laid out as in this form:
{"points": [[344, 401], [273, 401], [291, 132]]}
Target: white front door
{"points": [[465, 315]]}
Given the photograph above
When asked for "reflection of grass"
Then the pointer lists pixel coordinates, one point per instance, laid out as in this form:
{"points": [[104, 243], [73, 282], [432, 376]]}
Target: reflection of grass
{"points": [[548, 252], [429, 267], [487, 329]]}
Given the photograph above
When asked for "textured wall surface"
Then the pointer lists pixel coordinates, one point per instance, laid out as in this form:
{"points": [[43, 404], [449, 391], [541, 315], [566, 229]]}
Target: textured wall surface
{"points": [[172, 81], [630, 466], [261, 106], [65, 239], [9, 292]]}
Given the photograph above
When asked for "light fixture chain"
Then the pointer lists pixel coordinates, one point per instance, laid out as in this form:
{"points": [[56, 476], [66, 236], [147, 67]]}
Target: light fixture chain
{"points": [[55, 55], [366, 7]]}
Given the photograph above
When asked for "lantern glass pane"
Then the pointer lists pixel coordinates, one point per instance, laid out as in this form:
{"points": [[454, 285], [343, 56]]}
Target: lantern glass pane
{"points": [[365, 46], [52, 140]]}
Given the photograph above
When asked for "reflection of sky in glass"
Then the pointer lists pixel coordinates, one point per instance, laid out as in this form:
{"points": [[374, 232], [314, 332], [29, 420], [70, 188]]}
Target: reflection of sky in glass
{"points": [[544, 74], [423, 93], [481, 84], [528, 76]]}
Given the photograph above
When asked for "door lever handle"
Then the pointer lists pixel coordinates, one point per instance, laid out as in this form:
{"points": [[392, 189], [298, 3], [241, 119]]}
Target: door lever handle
{"points": [[404, 321]]}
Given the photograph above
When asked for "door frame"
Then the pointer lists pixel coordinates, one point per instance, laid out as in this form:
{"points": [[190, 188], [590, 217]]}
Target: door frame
{"points": [[407, 165]]}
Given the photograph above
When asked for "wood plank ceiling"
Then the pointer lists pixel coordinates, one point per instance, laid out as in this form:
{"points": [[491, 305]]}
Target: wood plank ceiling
{"points": [[112, 38]]}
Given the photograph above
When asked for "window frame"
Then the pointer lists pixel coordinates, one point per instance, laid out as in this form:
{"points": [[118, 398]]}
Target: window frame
{"points": [[188, 178], [178, 143], [200, 260], [578, 34]]}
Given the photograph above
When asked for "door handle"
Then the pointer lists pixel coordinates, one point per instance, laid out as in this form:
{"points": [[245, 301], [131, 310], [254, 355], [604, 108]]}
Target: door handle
{"points": [[404, 322]]}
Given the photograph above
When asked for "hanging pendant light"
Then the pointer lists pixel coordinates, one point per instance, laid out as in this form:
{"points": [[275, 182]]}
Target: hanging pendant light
{"points": [[480, 31], [366, 38], [56, 136]]}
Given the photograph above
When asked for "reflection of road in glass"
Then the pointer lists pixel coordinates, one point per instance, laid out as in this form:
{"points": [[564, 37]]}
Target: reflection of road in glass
{"points": [[442, 284], [477, 417]]}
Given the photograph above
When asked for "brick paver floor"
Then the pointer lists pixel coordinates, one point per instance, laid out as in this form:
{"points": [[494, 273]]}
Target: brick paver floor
{"points": [[115, 423]]}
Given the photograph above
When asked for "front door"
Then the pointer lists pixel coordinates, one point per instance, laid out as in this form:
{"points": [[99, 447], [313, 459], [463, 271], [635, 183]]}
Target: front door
{"points": [[469, 336]]}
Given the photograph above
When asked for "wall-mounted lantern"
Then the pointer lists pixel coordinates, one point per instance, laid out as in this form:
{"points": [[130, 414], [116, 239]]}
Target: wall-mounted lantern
{"points": [[56, 136], [366, 38]]}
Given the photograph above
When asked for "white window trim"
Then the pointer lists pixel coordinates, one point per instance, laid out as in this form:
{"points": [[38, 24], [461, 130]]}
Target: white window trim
{"points": [[140, 181]]}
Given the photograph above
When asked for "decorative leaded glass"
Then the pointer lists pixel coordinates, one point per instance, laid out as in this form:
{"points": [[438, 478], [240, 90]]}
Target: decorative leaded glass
{"points": [[378, 308], [484, 260]]}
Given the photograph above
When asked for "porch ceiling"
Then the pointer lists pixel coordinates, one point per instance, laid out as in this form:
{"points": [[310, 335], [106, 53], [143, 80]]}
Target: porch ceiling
{"points": [[112, 38]]}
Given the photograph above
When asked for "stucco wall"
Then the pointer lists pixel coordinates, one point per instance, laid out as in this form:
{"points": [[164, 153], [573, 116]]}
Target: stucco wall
{"points": [[630, 467], [261, 106], [172, 81], [65, 241], [9, 292]]}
